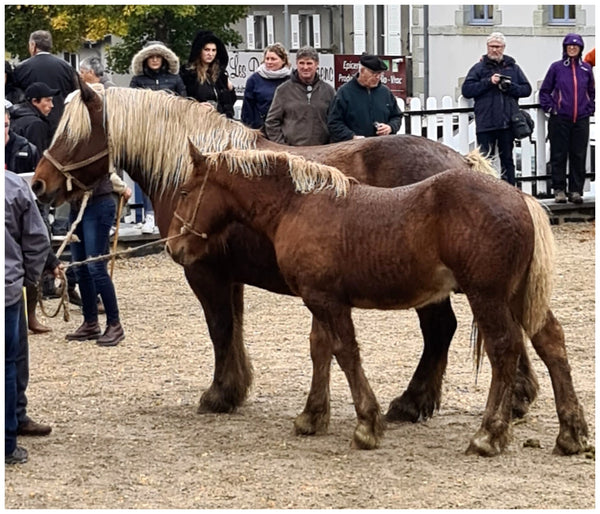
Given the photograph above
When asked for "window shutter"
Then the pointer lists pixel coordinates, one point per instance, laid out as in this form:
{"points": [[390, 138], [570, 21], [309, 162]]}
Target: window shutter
{"points": [[250, 32]]}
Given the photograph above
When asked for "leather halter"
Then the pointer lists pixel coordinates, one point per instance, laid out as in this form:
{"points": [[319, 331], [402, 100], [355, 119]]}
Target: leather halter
{"points": [[189, 226], [65, 170]]}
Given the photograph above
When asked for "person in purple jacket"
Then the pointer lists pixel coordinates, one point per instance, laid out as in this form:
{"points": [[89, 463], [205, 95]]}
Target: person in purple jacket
{"points": [[568, 96]]}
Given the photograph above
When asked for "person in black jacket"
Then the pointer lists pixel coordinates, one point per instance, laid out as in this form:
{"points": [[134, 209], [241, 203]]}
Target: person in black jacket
{"points": [[155, 67], [205, 77], [20, 155], [496, 83], [12, 93], [30, 118], [44, 67], [364, 107]]}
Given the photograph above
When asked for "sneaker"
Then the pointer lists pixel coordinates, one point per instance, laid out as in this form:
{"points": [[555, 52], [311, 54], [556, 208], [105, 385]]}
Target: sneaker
{"points": [[148, 226], [560, 197], [575, 198], [18, 456]]}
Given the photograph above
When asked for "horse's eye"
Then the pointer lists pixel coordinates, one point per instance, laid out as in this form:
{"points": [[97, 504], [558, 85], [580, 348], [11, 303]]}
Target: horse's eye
{"points": [[183, 193]]}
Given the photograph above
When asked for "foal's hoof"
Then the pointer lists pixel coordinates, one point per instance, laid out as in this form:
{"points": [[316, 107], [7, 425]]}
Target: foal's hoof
{"points": [[310, 424], [483, 445], [365, 438]]}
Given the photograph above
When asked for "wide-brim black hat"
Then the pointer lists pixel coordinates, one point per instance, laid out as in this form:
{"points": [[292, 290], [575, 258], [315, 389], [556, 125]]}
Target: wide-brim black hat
{"points": [[206, 36]]}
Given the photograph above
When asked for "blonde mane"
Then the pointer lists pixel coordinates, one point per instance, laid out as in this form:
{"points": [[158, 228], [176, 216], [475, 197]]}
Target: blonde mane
{"points": [[150, 130], [307, 176]]}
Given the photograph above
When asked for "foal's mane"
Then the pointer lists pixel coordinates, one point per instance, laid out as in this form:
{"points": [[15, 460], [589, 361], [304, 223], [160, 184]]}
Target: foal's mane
{"points": [[149, 130], [307, 176]]}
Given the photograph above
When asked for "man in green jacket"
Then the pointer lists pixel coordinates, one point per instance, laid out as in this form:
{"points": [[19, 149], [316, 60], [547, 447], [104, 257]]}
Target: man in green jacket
{"points": [[363, 107]]}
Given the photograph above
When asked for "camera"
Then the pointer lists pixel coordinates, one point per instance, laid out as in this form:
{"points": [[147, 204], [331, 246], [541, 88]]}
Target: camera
{"points": [[505, 82]]}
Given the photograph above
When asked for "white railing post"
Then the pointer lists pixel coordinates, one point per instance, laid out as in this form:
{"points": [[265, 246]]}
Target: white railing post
{"points": [[431, 105], [447, 125], [415, 121]]}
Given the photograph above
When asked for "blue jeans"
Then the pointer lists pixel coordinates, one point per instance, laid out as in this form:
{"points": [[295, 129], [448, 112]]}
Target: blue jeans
{"points": [[12, 313], [503, 140], [93, 279]]}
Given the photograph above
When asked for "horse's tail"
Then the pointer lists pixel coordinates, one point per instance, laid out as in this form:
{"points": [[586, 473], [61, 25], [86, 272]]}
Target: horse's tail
{"points": [[479, 162], [538, 290]]}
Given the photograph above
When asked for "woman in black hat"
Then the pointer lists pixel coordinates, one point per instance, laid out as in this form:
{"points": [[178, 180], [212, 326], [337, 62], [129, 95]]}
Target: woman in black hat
{"points": [[205, 77]]}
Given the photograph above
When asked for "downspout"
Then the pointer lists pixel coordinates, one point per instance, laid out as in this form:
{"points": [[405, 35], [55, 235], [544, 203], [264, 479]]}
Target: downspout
{"points": [[426, 51], [286, 27]]}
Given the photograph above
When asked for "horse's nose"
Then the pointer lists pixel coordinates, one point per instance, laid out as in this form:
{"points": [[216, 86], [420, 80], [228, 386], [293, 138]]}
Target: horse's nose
{"points": [[37, 187]]}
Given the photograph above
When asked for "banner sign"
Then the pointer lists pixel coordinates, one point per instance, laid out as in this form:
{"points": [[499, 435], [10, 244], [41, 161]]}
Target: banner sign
{"points": [[346, 66]]}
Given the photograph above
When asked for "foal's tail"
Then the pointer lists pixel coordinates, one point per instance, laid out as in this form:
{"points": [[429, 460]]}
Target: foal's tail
{"points": [[480, 163], [538, 289]]}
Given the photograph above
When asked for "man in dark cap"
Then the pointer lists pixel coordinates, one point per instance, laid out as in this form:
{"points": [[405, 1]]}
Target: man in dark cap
{"points": [[44, 67], [30, 118], [363, 107]]}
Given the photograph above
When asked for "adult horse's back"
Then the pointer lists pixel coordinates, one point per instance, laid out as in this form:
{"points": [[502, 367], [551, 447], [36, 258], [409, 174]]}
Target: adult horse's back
{"points": [[146, 133]]}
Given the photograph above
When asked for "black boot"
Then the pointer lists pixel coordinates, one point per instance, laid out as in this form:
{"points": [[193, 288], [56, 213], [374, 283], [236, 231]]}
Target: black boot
{"points": [[87, 331], [112, 336]]}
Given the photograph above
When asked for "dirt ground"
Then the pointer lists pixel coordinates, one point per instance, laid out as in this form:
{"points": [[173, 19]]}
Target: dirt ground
{"points": [[126, 433]]}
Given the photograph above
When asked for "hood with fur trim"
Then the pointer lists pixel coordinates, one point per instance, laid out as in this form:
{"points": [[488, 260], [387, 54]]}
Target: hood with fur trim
{"points": [[155, 48], [206, 36]]}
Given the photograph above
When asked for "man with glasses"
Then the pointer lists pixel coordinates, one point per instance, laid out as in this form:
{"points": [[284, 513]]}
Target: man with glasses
{"points": [[496, 83], [364, 107]]}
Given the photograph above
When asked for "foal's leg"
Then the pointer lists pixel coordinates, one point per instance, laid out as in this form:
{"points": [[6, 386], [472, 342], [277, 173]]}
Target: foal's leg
{"points": [[526, 386], [337, 318], [549, 343], [424, 392], [503, 342], [223, 304], [315, 417]]}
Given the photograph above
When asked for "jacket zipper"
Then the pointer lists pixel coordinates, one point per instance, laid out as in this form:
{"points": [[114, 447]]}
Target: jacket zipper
{"points": [[575, 100]]}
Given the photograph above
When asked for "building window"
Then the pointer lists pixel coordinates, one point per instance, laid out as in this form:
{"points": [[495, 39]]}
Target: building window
{"points": [[306, 30], [562, 14], [482, 14], [259, 31]]}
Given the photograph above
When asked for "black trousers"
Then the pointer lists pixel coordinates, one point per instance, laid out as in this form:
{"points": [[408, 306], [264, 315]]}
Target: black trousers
{"points": [[22, 367], [568, 142], [502, 140]]}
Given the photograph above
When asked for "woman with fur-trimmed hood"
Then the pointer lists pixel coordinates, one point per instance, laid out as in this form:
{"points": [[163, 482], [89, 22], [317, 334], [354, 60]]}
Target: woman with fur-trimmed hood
{"points": [[156, 67], [205, 77]]}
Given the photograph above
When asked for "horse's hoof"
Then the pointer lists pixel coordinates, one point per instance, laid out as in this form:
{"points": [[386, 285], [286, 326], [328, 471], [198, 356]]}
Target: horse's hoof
{"points": [[308, 424], [483, 445], [364, 438], [409, 408], [571, 446], [213, 402]]}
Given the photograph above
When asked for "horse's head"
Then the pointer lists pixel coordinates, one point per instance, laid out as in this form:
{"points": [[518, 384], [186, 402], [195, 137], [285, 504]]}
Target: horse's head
{"points": [[78, 155], [200, 213]]}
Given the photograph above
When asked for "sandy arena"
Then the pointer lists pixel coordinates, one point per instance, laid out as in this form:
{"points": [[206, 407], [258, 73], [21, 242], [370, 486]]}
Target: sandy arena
{"points": [[126, 433]]}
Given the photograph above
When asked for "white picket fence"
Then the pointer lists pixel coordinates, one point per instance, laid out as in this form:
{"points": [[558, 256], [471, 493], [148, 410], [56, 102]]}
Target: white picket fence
{"points": [[452, 124]]}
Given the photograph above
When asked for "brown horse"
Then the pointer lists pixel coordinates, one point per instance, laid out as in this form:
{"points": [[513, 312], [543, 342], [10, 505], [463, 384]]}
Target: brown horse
{"points": [[349, 245], [145, 132]]}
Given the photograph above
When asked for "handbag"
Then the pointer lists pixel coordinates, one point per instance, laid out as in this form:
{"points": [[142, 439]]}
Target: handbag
{"points": [[521, 123]]}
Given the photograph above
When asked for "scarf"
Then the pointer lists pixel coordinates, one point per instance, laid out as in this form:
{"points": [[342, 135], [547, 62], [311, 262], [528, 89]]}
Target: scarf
{"points": [[273, 74]]}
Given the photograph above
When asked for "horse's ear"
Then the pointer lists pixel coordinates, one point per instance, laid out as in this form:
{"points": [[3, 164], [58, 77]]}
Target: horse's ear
{"points": [[197, 157], [87, 93]]}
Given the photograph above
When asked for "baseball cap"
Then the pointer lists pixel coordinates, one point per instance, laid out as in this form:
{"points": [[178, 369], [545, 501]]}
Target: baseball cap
{"points": [[40, 90]]}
